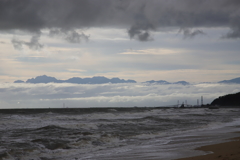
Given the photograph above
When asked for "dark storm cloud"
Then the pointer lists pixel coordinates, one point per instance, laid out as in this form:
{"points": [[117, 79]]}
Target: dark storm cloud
{"points": [[71, 36], [235, 33], [33, 44], [140, 32], [188, 33], [141, 27], [75, 37], [139, 17]]}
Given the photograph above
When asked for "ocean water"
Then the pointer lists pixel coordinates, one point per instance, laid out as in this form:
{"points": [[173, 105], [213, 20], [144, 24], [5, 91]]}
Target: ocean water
{"points": [[114, 133]]}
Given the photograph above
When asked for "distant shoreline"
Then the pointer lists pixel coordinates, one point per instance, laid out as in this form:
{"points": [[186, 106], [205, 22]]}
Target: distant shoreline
{"points": [[78, 110], [95, 109]]}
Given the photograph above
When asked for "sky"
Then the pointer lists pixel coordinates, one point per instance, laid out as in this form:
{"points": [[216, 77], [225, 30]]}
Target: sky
{"points": [[172, 40]]}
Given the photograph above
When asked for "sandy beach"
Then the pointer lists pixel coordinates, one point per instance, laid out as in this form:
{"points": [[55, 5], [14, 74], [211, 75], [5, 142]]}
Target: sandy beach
{"points": [[223, 151]]}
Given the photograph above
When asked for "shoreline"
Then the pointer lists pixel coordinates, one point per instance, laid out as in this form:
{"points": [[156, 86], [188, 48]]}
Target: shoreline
{"points": [[222, 151], [96, 109], [83, 110]]}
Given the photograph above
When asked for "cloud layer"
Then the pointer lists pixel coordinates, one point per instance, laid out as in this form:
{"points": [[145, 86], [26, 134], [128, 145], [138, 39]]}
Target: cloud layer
{"points": [[108, 95], [187, 40], [138, 17]]}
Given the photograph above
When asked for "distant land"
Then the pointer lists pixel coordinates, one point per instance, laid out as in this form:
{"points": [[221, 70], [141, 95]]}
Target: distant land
{"points": [[166, 82], [102, 80], [158, 82], [235, 80], [93, 80], [228, 100], [77, 80]]}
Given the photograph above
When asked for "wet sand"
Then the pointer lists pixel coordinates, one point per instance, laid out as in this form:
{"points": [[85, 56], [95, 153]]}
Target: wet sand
{"points": [[223, 151]]}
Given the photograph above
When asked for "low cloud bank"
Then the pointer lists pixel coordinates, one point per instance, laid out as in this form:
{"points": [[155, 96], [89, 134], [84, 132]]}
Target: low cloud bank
{"points": [[23, 95]]}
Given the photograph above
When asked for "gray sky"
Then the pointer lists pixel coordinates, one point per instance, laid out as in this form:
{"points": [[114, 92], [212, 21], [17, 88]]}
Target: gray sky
{"points": [[132, 39], [173, 40]]}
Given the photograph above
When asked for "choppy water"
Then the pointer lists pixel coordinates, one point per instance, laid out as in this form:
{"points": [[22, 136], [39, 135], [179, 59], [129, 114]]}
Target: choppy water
{"points": [[110, 133]]}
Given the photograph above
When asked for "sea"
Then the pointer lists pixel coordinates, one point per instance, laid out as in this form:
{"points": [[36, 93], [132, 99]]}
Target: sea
{"points": [[113, 133]]}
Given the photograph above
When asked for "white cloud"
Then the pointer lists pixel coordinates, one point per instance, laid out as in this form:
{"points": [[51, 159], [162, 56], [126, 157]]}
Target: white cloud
{"points": [[107, 95], [156, 51]]}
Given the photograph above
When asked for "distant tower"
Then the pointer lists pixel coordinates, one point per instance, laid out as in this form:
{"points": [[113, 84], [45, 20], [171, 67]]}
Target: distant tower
{"points": [[178, 103], [63, 105], [202, 100]]}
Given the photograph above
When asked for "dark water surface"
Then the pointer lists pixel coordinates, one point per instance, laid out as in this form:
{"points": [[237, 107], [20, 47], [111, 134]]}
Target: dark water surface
{"points": [[112, 133]]}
